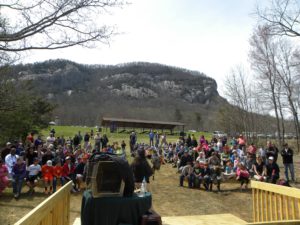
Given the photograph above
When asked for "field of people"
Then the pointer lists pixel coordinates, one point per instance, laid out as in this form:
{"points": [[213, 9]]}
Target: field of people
{"points": [[169, 199]]}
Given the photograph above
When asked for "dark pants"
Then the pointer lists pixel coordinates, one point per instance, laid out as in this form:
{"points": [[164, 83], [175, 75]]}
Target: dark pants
{"points": [[62, 181], [243, 180], [198, 181], [151, 142], [190, 180], [273, 179], [287, 167], [17, 184]]}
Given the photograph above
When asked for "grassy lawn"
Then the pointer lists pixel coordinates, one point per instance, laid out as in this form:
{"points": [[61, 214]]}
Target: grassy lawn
{"points": [[70, 131]]}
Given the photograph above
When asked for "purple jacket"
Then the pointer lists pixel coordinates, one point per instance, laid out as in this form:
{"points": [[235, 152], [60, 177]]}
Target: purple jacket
{"points": [[19, 170]]}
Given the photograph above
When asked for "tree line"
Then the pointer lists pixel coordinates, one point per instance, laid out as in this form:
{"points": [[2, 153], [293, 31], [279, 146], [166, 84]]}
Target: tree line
{"points": [[273, 84]]}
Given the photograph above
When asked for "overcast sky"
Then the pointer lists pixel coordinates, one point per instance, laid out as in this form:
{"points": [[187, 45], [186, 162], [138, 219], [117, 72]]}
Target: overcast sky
{"points": [[209, 36]]}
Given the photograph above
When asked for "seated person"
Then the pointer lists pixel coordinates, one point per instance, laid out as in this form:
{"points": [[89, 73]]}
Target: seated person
{"points": [[57, 175], [225, 157], [259, 169], [18, 175], [216, 177], [187, 172], [206, 174], [229, 173], [197, 175], [34, 171], [69, 172], [242, 175], [184, 159], [272, 170], [79, 170], [3, 176], [47, 172]]}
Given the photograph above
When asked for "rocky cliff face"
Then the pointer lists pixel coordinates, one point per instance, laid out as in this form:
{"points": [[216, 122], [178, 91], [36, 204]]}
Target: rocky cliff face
{"points": [[136, 90]]}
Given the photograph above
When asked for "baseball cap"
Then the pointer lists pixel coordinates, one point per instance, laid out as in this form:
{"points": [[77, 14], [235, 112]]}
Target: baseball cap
{"points": [[8, 143], [68, 157], [49, 163], [271, 158]]}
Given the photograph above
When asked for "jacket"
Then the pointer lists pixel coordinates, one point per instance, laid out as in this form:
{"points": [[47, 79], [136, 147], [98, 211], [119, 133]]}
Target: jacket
{"points": [[287, 156]]}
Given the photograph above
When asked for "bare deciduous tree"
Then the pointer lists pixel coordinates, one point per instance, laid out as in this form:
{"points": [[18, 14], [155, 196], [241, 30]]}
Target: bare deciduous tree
{"points": [[282, 17], [55, 24], [262, 57]]}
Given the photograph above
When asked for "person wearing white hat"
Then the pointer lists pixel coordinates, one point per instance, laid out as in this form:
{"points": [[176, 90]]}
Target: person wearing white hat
{"points": [[47, 171], [272, 170]]}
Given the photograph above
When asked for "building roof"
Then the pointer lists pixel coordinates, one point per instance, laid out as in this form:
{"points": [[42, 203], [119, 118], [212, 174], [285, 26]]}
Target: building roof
{"points": [[133, 123]]}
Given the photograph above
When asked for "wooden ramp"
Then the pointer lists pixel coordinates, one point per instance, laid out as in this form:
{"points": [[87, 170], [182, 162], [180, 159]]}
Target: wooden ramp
{"points": [[216, 219]]}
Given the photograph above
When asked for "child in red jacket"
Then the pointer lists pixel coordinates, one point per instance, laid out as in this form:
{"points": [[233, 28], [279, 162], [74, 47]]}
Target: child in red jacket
{"points": [[58, 175], [69, 172], [47, 171]]}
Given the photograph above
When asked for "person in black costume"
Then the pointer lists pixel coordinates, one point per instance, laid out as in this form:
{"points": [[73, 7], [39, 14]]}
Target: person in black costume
{"points": [[141, 168]]}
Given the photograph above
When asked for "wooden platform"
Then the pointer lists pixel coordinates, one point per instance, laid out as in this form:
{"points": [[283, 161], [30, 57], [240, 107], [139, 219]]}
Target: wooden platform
{"points": [[216, 219], [220, 219]]}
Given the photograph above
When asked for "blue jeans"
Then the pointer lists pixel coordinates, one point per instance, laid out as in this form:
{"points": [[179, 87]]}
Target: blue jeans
{"points": [[190, 180], [289, 166], [17, 184], [62, 181]]}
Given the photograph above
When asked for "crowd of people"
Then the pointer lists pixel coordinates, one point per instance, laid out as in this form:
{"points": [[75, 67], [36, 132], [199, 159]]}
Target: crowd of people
{"points": [[57, 160], [53, 161], [203, 162]]}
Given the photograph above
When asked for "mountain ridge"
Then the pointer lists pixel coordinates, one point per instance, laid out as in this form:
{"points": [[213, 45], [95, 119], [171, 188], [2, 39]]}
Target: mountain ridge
{"points": [[141, 90]]}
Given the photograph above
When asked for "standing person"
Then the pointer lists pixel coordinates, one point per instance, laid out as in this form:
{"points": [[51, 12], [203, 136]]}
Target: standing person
{"points": [[272, 170], [80, 137], [141, 168], [3, 176], [18, 175], [10, 160], [34, 171], [156, 139], [92, 134], [123, 147], [151, 137], [86, 140], [104, 140], [132, 141], [76, 140], [97, 139], [287, 159]]}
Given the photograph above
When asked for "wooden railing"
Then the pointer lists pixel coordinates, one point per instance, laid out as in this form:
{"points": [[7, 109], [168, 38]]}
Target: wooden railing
{"points": [[54, 210], [274, 202]]}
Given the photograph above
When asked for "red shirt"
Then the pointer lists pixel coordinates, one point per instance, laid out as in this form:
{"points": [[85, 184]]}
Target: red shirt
{"points": [[47, 171], [57, 171], [68, 169]]}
